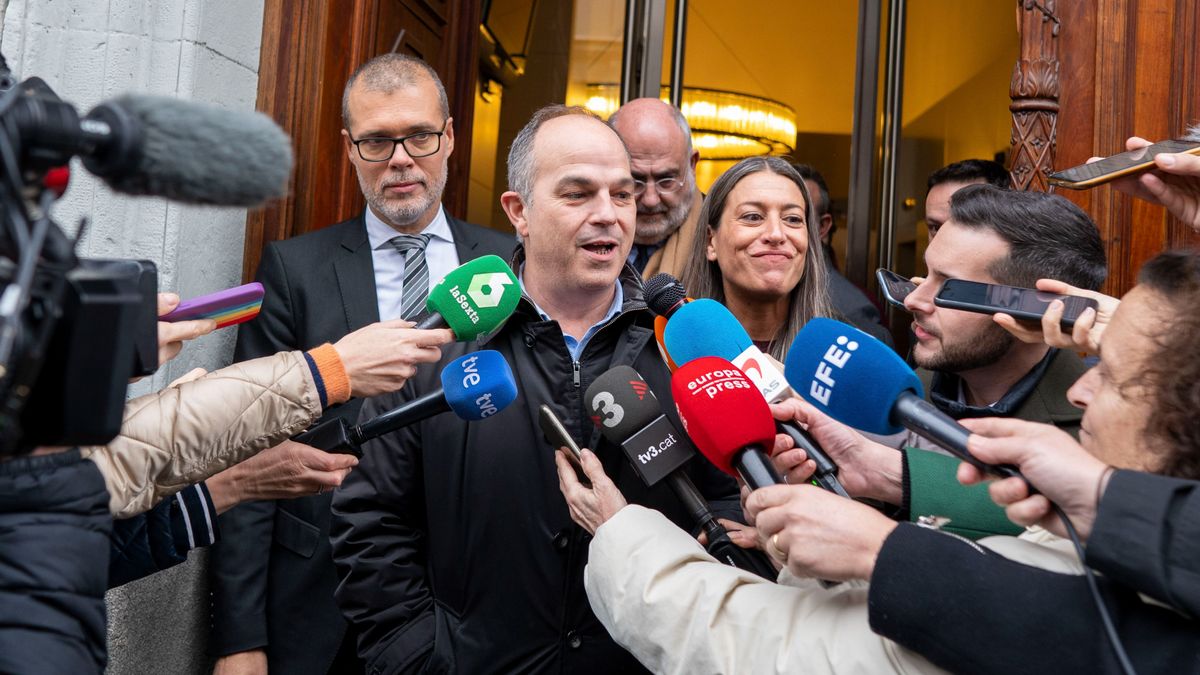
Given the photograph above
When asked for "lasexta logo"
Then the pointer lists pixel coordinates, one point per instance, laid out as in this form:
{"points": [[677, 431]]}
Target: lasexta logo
{"points": [[494, 284]]}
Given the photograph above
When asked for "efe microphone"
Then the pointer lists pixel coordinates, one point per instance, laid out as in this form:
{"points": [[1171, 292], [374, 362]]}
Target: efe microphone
{"points": [[475, 386], [628, 414], [706, 328], [859, 381]]}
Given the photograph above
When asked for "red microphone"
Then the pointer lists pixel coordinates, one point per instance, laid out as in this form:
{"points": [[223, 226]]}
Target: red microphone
{"points": [[727, 419]]}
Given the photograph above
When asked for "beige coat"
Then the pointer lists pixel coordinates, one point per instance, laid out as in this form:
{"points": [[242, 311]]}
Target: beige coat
{"points": [[182, 435], [676, 609], [675, 252]]}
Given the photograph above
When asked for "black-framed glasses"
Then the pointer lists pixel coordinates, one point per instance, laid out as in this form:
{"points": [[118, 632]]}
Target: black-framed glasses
{"points": [[381, 149], [662, 185]]}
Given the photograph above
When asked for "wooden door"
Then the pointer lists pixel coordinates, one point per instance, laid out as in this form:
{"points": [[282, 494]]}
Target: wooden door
{"points": [[309, 50], [1107, 70]]}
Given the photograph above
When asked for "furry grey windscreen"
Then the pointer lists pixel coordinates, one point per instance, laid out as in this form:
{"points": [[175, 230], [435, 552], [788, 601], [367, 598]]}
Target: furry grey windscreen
{"points": [[1193, 133], [199, 153], [663, 292]]}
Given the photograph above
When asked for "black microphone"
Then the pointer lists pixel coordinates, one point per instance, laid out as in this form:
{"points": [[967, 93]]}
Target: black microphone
{"points": [[474, 386], [664, 294], [628, 414]]}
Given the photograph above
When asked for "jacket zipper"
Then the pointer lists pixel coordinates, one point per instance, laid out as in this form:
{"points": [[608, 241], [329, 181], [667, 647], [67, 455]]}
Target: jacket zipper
{"points": [[575, 373]]}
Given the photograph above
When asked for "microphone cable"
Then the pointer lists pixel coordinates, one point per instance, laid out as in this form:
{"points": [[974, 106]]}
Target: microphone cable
{"points": [[1110, 629]]}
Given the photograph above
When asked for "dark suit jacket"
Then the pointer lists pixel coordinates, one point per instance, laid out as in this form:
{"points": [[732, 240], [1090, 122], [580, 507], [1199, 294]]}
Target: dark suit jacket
{"points": [[272, 572]]}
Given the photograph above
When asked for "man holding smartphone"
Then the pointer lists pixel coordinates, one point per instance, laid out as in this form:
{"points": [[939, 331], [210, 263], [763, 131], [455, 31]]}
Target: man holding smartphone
{"points": [[272, 573]]}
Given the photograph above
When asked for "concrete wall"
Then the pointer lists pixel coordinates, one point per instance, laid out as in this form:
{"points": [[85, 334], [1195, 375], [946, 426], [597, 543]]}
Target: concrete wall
{"points": [[92, 50]]}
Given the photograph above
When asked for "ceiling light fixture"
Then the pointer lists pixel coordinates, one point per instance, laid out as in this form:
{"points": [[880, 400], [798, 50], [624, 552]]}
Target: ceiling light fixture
{"points": [[725, 124]]}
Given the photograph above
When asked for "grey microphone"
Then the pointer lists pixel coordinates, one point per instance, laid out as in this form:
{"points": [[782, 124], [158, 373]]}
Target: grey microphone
{"points": [[186, 151]]}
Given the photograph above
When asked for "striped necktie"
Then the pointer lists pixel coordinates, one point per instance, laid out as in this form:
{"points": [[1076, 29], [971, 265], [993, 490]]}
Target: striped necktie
{"points": [[416, 274]]}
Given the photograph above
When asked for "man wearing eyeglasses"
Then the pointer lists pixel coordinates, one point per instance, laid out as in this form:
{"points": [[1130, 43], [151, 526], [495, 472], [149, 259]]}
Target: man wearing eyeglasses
{"points": [[664, 182], [272, 572]]}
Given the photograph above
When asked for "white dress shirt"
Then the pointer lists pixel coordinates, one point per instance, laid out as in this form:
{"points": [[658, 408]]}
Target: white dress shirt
{"points": [[440, 255]]}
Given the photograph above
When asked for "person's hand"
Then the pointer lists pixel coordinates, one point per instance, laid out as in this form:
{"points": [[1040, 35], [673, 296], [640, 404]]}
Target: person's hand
{"points": [[1089, 326], [1060, 468], [253, 662], [865, 468], [817, 533], [171, 336], [590, 507], [381, 357], [285, 471], [1173, 183]]}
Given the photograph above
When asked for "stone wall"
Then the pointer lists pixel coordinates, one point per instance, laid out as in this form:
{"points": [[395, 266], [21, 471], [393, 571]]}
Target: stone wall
{"points": [[204, 50]]}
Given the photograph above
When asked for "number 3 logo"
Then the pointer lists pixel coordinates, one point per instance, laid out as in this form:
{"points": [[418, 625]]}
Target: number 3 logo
{"points": [[604, 404]]}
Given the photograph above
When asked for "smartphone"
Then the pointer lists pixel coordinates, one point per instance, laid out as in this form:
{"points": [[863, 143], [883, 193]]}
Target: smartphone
{"points": [[228, 307], [556, 434], [1022, 303], [895, 287], [1110, 168]]}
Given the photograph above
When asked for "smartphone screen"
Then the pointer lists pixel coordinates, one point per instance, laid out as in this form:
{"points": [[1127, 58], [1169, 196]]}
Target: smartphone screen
{"points": [[1022, 303], [1110, 168], [895, 287]]}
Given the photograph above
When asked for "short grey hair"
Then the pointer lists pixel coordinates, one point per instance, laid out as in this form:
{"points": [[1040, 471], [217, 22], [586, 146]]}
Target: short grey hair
{"points": [[676, 115], [387, 73], [520, 154]]}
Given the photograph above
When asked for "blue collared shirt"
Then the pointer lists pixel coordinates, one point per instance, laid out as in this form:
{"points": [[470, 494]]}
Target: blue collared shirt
{"points": [[575, 346], [440, 255]]}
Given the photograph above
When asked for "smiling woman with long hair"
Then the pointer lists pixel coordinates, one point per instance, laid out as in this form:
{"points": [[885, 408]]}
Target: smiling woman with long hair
{"points": [[757, 252]]}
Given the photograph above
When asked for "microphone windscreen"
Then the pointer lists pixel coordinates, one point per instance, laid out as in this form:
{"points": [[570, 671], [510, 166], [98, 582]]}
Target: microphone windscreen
{"points": [[663, 292], [479, 384], [722, 410], [621, 403], [704, 328], [476, 297], [199, 153], [849, 375]]}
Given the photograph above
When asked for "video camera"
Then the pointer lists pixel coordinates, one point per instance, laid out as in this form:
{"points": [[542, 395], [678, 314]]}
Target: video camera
{"points": [[72, 331]]}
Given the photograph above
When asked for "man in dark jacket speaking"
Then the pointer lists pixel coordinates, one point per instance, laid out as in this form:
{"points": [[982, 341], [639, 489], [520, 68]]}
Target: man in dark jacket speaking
{"points": [[454, 548]]}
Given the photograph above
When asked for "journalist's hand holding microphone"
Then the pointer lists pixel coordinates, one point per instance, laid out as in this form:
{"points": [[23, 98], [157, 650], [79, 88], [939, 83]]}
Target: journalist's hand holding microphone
{"points": [[816, 533], [865, 468], [1060, 468], [381, 357]]}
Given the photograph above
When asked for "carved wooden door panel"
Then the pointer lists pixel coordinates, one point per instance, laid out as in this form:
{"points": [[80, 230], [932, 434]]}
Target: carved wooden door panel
{"points": [[309, 50], [1091, 75]]}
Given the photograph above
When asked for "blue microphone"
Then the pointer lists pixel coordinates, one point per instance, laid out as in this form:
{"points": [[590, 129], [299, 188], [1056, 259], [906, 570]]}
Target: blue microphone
{"points": [[860, 382], [706, 328], [474, 387]]}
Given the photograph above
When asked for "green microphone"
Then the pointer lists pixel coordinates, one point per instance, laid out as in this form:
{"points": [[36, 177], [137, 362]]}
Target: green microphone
{"points": [[473, 299]]}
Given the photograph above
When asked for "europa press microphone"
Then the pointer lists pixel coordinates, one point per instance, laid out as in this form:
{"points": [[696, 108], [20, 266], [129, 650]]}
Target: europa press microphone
{"points": [[706, 328], [727, 418], [627, 413], [474, 387], [859, 381]]}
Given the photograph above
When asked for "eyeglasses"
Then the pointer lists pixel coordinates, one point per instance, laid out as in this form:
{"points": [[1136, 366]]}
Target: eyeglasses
{"points": [[662, 186], [420, 144]]}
